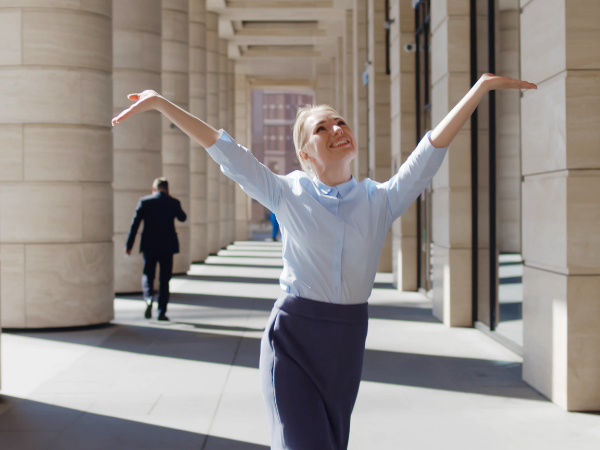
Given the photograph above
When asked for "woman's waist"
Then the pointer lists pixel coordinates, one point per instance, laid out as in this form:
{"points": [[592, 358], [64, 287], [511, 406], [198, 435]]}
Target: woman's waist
{"points": [[323, 310]]}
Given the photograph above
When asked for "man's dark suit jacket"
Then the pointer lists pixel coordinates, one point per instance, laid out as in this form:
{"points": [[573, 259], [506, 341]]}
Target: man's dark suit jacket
{"points": [[158, 211]]}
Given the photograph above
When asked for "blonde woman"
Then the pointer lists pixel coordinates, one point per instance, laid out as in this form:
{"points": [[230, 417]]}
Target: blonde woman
{"points": [[333, 229]]}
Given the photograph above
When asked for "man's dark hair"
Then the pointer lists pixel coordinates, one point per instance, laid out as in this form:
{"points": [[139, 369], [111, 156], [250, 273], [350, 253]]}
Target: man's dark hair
{"points": [[161, 184]]}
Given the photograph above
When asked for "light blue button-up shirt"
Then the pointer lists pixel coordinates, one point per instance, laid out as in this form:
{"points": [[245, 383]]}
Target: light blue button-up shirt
{"points": [[332, 236]]}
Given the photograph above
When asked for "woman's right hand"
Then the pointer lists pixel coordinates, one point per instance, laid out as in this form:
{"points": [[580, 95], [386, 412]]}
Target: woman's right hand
{"points": [[144, 101]]}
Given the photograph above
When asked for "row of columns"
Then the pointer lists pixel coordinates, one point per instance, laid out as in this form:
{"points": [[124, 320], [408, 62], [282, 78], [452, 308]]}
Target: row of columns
{"points": [[69, 184], [553, 174]]}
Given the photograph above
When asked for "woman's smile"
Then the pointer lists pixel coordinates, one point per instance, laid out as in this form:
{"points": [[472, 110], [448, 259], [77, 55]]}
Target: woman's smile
{"points": [[340, 143]]}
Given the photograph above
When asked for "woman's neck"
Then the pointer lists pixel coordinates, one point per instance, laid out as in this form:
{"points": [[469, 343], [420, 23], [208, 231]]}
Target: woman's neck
{"points": [[334, 176]]}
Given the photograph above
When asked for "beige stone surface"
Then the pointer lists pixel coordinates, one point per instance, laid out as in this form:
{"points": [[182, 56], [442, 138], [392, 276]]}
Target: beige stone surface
{"points": [[138, 141], [198, 107], [126, 15], [175, 144], [41, 212], [136, 170], [97, 212], [124, 209], [583, 213], [67, 153], [12, 289], [452, 286], [69, 284], [55, 181], [66, 38], [451, 210], [212, 114], [10, 36], [11, 156], [128, 269], [545, 221]]}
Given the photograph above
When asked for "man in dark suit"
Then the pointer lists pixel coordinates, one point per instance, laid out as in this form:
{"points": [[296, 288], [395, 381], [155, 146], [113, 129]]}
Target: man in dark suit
{"points": [[159, 241]]}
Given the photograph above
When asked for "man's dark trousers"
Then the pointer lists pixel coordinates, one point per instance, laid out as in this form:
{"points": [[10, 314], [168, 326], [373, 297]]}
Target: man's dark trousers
{"points": [[159, 241], [165, 261]]}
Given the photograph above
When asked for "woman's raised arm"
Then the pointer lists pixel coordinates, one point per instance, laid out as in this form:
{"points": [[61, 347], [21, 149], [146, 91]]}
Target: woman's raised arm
{"points": [[198, 130], [448, 128]]}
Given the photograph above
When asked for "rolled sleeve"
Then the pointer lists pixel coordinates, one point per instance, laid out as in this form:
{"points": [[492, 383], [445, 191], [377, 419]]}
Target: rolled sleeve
{"points": [[239, 164], [414, 176]]}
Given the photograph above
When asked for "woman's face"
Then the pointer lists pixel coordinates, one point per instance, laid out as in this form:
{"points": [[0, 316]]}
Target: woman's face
{"points": [[330, 141]]}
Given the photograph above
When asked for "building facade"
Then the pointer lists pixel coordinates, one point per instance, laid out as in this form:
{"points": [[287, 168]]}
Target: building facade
{"points": [[505, 239]]}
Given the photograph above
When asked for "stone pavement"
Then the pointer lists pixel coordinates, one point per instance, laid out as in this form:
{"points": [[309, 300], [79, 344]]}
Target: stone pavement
{"points": [[194, 383]]}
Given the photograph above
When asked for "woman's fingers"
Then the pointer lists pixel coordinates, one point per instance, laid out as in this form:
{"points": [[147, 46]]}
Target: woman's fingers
{"points": [[495, 82], [143, 102]]}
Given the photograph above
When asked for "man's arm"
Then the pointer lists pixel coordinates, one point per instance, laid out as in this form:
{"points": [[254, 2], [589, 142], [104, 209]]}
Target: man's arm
{"points": [[180, 214], [133, 229]]}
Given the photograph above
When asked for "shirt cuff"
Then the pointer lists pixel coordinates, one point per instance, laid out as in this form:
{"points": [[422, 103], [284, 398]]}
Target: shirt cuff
{"points": [[429, 138]]}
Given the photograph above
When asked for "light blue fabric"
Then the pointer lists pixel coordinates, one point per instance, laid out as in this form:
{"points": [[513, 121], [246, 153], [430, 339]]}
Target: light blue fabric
{"points": [[332, 236]]}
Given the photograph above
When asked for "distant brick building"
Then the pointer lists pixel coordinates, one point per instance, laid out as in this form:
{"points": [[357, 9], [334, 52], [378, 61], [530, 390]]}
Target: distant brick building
{"points": [[273, 116]]}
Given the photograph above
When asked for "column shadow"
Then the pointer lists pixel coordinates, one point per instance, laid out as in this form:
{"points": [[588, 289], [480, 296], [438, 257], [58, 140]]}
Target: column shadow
{"points": [[467, 375], [31, 425]]}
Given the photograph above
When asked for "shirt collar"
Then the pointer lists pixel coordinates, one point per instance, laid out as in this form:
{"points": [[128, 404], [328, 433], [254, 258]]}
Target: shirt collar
{"points": [[344, 188]]}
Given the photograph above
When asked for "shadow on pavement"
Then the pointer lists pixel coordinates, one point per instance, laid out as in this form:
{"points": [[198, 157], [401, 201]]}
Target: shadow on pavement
{"points": [[497, 378], [30, 425]]}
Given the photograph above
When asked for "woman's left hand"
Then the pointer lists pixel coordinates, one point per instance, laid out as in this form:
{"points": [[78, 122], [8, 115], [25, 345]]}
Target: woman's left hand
{"points": [[493, 82]]}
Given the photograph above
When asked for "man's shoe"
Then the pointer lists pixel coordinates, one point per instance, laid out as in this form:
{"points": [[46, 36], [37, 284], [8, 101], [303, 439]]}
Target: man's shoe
{"points": [[148, 313], [163, 318]]}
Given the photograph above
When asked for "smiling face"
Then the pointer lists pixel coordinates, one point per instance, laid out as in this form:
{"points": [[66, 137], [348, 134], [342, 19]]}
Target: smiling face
{"points": [[330, 141]]}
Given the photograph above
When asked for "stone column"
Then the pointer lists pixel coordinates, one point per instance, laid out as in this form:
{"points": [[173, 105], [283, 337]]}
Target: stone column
{"points": [[242, 124], [348, 71], [198, 155], [359, 90], [403, 141], [451, 198], [56, 164], [379, 111], [212, 115], [508, 132], [231, 126], [223, 123], [560, 52], [340, 62], [175, 143], [324, 94], [137, 142]]}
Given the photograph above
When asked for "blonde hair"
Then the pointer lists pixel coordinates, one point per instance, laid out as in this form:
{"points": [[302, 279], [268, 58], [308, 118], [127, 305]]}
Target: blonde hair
{"points": [[301, 137]]}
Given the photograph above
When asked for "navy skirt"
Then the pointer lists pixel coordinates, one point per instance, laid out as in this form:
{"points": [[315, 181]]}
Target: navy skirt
{"points": [[311, 359]]}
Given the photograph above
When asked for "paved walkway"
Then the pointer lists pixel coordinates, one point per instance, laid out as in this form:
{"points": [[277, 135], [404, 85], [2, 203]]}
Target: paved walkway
{"points": [[194, 383]]}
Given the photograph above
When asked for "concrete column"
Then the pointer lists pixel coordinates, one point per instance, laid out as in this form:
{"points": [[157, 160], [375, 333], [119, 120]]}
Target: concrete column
{"points": [[379, 111], [451, 198], [403, 141], [175, 143], [560, 52], [223, 123], [212, 115], [359, 90], [56, 164], [137, 142], [242, 131], [198, 107]]}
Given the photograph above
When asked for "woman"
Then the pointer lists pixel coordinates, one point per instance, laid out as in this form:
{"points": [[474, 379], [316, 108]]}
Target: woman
{"points": [[333, 229]]}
